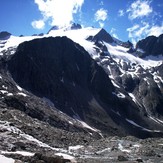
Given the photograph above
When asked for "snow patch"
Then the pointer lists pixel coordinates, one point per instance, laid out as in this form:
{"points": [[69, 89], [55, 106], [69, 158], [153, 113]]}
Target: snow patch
{"points": [[10, 94], [4, 159], [134, 99], [74, 148], [104, 150], [156, 120], [85, 125], [145, 129], [119, 95], [23, 153], [22, 94], [115, 85], [3, 91], [70, 122], [5, 87], [19, 88], [120, 147]]}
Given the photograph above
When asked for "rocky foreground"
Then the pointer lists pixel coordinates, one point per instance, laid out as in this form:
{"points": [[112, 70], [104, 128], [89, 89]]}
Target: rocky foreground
{"points": [[111, 149], [26, 139]]}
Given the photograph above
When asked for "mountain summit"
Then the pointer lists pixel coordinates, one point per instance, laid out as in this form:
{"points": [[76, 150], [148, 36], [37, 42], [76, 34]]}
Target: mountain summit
{"points": [[4, 35], [102, 35], [72, 26]]}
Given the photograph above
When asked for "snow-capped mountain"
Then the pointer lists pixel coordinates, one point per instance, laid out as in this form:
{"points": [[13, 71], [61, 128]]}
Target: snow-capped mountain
{"points": [[75, 85]]}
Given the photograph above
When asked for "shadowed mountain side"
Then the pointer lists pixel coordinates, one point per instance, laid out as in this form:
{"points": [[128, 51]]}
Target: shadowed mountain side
{"points": [[151, 45], [62, 71]]}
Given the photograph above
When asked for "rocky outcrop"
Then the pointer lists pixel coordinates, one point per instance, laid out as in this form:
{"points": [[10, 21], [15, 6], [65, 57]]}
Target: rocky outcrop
{"points": [[4, 35], [53, 28], [151, 45], [73, 26], [127, 44]]}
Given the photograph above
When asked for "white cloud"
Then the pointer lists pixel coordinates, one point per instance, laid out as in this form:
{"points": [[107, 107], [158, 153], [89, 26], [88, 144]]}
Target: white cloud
{"points": [[101, 15], [139, 9], [101, 3], [38, 24], [155, 30], [101, 24], [138, 32], [121, 13], [113, 33], [58, 12]]}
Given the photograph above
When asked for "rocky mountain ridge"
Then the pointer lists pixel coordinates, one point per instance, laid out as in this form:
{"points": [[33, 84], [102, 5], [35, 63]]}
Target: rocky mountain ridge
{"points": [[151, 45]]}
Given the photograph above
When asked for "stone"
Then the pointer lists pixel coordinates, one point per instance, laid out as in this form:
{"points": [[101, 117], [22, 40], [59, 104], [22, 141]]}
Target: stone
{"points": [[122, 158]]}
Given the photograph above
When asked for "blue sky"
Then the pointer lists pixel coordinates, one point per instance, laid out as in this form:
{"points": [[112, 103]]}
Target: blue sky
{"points": [[125, 19]]}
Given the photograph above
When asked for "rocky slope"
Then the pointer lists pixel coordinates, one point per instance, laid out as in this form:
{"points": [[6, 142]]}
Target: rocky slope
{"points": [[151, 45], [82, 89]]}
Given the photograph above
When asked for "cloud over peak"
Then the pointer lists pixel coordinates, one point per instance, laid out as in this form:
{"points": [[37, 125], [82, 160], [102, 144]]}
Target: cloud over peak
{"points": [[57, 12], [139, 9], [100, 16]]}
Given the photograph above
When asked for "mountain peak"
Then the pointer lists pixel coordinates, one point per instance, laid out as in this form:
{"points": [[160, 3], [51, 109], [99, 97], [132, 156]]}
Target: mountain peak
{"points": [[102, 35], [72, 26], [75, 26], [4, 35]]}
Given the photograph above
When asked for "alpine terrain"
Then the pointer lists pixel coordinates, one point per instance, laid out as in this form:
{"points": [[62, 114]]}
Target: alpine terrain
{"points": [[80, 95]]}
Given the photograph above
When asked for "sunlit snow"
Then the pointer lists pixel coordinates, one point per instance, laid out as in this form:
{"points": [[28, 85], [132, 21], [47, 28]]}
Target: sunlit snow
{"points": [[4, 159], [145, 129]]}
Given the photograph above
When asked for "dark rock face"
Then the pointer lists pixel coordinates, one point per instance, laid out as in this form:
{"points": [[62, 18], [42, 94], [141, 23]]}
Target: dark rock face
{"points": [[131, 50], [4, 35], [57, 64], [53, 28], [75, 26], [127, 44], [62, 71], [102, 35], [151, 45], [38, 157]]}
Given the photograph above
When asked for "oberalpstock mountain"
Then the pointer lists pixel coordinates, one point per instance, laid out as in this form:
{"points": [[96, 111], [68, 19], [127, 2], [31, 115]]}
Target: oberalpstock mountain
{"points": [[80, 95]]}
